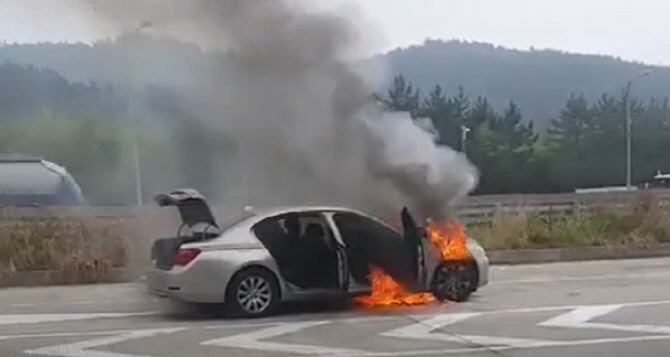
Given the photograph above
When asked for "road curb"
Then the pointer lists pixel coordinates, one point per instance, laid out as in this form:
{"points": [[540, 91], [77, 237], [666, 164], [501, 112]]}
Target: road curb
{"points": [[536, 256]]}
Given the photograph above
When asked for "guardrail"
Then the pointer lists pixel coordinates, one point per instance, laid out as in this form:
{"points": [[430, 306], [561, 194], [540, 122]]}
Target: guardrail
{"points": [[483, 208], [473, 207]]}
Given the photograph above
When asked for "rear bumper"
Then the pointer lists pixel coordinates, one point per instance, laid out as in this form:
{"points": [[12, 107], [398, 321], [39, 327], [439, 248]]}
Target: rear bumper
{"points": [[161, 283], [177, 285]]}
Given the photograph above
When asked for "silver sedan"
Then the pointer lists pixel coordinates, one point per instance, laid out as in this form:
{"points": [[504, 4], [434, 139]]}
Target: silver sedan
{"points": [[255, 260]]}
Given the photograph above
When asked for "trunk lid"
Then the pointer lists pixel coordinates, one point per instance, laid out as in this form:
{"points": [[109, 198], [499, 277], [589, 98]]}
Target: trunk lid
{"points": [[192, 206], [195, 214]]}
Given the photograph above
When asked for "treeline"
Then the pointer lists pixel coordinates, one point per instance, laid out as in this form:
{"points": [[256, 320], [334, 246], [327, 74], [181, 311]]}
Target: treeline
{"points": [[584, 146], [27, 92], [87, 128], [538, 81]]}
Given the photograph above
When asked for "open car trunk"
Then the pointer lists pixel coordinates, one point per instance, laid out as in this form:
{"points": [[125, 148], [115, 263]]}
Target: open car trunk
{"points": [[195, 214]]}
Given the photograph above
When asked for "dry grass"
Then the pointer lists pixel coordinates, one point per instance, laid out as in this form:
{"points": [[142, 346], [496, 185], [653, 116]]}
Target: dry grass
{"points": [[80, 249], [84, 249], [640, 222]]}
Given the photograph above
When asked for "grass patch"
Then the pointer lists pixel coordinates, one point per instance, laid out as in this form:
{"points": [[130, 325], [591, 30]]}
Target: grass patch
{"points": [[80, 249], [641, 222]]}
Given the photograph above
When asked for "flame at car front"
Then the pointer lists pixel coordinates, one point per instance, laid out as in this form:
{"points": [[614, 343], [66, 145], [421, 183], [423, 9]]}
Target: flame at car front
{"points": [[387, 292], [448, 238]]}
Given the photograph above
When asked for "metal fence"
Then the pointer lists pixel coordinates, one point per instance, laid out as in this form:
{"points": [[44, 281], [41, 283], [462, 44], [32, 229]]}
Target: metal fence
{"points": [[483, 208]]}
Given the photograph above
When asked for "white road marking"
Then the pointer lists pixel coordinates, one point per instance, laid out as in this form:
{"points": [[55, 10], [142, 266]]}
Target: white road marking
{"points": [[581, 317], [82, 349], [578, 317], [14, 319], [424, 330], [499, 348], [252, 341], [551, 279], [84, 302], [352, 320], [59, 334], [364, 319]]}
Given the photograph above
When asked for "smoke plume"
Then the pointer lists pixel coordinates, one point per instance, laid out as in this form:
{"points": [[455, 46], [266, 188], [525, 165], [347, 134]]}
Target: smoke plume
{"points": [[305, 129]]}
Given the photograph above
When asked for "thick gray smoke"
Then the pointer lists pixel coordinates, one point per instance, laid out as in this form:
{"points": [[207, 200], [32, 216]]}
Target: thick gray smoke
{"points": [[305, 129]]}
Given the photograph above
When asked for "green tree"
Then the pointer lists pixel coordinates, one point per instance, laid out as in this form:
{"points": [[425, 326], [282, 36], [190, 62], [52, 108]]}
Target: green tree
{"points": [[508, 147], [402, 96]]}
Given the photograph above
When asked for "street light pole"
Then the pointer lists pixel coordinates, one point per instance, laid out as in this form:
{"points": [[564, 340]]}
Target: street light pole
{"points": [[131, 113], [628, 129], [464, 135], [628, 137]]}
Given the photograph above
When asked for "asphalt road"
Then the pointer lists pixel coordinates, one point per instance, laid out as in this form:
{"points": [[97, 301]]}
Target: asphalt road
{"points": [[612, 308]]}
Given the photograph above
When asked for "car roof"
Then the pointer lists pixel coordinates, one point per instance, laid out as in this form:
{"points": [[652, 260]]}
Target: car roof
{"points": [[264, 212]]}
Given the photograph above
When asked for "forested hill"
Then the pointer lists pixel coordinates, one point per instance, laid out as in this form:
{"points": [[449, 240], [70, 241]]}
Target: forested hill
{"points": [[55, 101], [538, 81]]}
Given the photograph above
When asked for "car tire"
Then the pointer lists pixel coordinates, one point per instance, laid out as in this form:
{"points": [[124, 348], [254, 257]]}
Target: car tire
{"points": [[454, 281], [253, 292]]}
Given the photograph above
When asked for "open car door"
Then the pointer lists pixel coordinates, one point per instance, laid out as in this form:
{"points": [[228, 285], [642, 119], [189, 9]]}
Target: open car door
{"points": [[369, 242], [413, 235]]}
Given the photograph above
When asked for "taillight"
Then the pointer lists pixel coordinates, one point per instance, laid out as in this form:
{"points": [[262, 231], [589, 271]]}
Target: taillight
{"points": [[184, 256]]}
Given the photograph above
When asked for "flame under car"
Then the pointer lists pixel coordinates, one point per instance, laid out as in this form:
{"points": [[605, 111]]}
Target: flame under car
{"points": [[256, 260]]}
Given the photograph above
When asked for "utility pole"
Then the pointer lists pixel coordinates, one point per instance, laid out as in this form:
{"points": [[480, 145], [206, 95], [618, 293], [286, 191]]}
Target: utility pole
{"points": [[131, 112], [628, 138], [629, 169]]}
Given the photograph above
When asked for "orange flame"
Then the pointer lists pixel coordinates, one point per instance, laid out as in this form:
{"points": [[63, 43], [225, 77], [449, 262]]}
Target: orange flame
{"points": [[449, 239], [386, 292]]}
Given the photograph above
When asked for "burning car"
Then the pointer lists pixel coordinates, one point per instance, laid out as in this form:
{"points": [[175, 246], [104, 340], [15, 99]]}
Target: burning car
{"points": [[255, 260]]}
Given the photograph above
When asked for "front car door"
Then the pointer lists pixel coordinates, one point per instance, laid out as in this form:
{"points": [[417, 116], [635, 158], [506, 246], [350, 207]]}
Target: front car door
{"points": [[369, 242]]}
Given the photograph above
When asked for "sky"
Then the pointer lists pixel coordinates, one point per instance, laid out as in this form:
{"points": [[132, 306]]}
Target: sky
{"points": [[632, 30]]}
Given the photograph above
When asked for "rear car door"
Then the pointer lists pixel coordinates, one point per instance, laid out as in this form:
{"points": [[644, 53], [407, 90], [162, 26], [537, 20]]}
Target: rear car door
{"points": [[307, 254]]}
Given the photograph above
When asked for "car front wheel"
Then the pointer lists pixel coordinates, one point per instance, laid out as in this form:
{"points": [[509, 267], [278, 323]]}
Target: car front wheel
{"points": [[253, 292], [454, 281]]}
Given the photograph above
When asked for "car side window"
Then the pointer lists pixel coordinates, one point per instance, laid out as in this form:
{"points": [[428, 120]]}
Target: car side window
{"points": [[275, 231], [355, 229]]}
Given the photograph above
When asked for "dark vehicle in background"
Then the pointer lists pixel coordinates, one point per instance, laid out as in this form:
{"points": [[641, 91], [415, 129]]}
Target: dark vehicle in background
{"points": [[27, 181]]}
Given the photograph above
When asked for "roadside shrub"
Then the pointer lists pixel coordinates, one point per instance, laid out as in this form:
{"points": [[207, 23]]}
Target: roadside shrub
{"points": [[81, 249], [641, 222]]}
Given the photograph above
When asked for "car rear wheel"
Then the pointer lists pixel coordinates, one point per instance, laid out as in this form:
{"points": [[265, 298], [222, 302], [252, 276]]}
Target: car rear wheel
{"points": [[253, 292], [454, 281]]}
